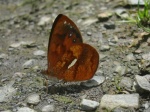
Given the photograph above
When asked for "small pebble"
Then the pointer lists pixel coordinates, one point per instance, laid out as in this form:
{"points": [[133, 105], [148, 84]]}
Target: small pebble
{"points": [[3, 56], [95, 81], [126, 82], [89, 104], [48, 108], [33, 99], [109, 25], [25, 109], [6, 111], [7, 92], [146, 56], [105, 15], [43, 20], [120, 69], [89, 21], [105, 48], [39, 53], [130, 57], [28, 63]]}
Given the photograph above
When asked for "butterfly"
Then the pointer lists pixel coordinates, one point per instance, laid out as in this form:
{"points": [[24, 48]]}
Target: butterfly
{"points": [[69, 59]]}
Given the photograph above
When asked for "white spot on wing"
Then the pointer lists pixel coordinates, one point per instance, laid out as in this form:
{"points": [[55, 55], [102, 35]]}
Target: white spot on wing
{"points": [[65, 22], [70, 34], [72, 63]]}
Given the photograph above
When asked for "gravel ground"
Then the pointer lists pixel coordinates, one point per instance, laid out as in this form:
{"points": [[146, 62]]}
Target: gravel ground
{"points": [[24, 32]]}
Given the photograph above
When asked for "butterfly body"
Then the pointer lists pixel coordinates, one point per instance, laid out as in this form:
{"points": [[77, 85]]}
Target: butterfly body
{"points": [[69, 58]]}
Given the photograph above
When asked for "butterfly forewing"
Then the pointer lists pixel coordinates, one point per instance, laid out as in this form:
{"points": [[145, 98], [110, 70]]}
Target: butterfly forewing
{"points": [[68, 57], [63, 35]]}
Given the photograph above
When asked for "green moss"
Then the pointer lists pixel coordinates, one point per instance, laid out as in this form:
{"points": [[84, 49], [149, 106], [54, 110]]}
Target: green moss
{"points": [[63, 99]]}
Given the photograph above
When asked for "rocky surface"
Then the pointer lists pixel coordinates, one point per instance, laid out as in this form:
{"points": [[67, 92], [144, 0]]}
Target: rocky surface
{"points": [[123, 48]]}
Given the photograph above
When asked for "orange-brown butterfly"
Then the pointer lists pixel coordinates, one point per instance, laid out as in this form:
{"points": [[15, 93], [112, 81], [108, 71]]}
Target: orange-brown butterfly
{"points": [[69, 58]]}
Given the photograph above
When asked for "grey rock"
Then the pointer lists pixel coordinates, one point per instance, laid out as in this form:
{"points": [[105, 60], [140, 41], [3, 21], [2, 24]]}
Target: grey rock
{"points": [[105, 48], [3, 56], [89, 104], [146, 105], [7, 92], [89, 33], [25, 109], [109, 25], [120, 69], [7, 111], [130, 57], [122, 100], [18, 44], [138, 51], [121, 12], [146, 56], [121, 109], [148, 41], [28, 63], [89, 21], [143, 82], [113, 40], [33, 99], [134, 2], [48, 108], [126, 82], [105, 15], [29, 44], [95, 81], [43, 20], [39, 53], [147, 110]]}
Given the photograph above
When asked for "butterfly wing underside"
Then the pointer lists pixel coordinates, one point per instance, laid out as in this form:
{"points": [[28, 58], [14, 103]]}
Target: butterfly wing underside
{"points": [[68, 58]]}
